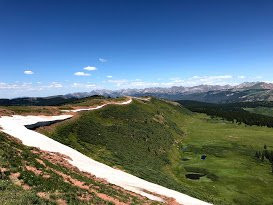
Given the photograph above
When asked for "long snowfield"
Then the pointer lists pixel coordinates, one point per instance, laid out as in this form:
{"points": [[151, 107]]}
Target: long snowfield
{"points": [[15, 126]]}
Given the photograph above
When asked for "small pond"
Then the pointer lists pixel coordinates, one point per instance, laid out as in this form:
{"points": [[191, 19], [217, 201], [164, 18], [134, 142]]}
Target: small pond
{"points": [[194, 176]]}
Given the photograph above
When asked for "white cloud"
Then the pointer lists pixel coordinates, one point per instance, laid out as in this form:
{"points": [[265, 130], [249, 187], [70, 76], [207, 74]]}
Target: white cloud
{"points": [[192, 81], [81, 74], [41, 88], [55, 85], [28, 72], [75, 85], [90, 68], [90, 85], [199, 80], [27, 89], [143, 84], [102, 60], [123, 83], [83, 85], [241, 77], [214, 77], [109, 76], [118, 82], [14, 86], [211, 80]]}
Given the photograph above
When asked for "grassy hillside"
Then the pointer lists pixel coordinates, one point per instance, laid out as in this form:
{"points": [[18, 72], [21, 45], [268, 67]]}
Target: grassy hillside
{"points": [[29, 110], [91, 101], [137, 137], [30, 176], [268, 111], [95, 100], [163, 143]]}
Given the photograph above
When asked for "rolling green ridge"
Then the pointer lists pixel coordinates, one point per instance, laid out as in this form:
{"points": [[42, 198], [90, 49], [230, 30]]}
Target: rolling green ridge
{"points": [[135, 137], [162, 142]]}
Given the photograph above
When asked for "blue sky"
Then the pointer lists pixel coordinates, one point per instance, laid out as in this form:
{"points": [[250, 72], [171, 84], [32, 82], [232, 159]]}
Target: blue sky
{"points": [[50, 47]]}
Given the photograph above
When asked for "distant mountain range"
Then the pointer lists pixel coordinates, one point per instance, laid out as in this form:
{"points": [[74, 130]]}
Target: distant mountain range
{"points": [[245, 92]]}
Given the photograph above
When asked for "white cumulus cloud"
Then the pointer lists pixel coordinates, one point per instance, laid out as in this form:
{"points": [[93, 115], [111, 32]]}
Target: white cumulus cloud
{"points": [[109, 76], [81, 74], [83, 85], [28, 72], [55, 85], [191, 81], [119, 83], [90, 68]]}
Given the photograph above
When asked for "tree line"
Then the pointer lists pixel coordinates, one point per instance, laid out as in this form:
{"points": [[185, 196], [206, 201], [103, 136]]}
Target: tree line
{"points": [[233, 112]]}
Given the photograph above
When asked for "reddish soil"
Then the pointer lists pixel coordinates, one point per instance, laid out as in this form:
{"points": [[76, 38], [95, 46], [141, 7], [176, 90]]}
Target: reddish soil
{"points": [[57, 158], [167, 200], [41, 162], [43, 195], [37, 172], [2, 169], [33, 110], [14, 177], [61, 202], [82, 185], [34, 170], [5, 112], [171, 201]]}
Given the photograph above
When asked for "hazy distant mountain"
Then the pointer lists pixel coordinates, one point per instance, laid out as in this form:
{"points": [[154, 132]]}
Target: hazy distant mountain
{"points": [[159, 91], [249, 91], [245, 92]]}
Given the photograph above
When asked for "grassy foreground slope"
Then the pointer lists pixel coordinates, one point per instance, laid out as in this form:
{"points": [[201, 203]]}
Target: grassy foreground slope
{"points": [[31, 176], [162, 142]]}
